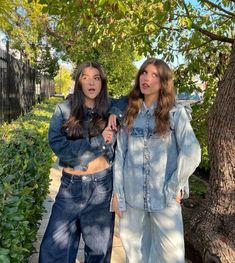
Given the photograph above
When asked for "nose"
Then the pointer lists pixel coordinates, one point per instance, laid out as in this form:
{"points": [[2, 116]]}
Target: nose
{"points": [[146, 77], [91, 81]]}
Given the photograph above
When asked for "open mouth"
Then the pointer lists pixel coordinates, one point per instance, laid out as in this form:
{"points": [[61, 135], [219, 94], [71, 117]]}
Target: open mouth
{"points": [[91, 90], [145, 86]]}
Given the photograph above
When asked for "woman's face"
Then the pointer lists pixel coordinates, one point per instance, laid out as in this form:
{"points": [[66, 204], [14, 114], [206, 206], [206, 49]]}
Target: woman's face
{"points": [[150, 83], [91, 83]]}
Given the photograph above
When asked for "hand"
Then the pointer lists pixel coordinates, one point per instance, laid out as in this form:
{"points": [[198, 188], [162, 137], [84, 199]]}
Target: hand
{"points": [[115, 205], [179, 196], [112, 122], [107, 135]]}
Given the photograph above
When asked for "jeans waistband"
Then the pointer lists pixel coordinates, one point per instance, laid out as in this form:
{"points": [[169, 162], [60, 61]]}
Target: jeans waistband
{"points": [[93, 176]]}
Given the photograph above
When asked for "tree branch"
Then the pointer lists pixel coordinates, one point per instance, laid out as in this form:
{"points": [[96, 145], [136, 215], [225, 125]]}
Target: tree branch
{"points": [[206, 32], [191, 48], [68, 43], [219, 7], [213, 36], [219, 14], [165, 27]]}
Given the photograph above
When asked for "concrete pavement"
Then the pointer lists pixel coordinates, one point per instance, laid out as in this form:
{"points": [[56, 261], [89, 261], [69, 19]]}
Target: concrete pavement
{"points": [[118, 254]]}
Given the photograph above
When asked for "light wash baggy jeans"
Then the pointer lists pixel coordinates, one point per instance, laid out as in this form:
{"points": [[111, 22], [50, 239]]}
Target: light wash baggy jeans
{"points": [[153, 237]]}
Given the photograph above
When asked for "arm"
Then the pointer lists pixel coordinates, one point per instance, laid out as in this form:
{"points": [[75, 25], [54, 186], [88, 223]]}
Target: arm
{"points": [[70, 151], [117, 109], [189, 155], [118, 201]]}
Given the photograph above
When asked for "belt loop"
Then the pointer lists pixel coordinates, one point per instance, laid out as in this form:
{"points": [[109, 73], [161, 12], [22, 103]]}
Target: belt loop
{"points": [[72, 178]]}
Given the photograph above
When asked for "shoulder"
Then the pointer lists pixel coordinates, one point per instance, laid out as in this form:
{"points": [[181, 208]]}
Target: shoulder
{"points": [[64, 105], [181, 110], [63, 108]]}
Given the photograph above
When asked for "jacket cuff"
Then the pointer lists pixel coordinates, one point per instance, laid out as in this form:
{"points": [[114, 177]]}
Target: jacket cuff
{"points": [[121, 203], [185, 190], [171, 194], [116, 111], [98, 142]]}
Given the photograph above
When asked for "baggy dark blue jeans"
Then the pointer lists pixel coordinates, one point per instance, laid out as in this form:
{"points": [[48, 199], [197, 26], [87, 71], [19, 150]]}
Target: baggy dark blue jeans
{"points": [[81, 208]]}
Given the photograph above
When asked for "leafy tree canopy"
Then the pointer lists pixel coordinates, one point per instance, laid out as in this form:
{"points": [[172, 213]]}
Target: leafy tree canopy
{"points": [[63, 81], [199, 31], [24, 24], [116, 32]]}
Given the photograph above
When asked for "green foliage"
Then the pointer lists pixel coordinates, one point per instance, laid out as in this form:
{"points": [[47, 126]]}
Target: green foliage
{"points": [[199, 125], [197, 185], [5, 13], [120, 71], [47, 62], [24, 179], [118, 66], [200, 32], [200, 37], [63, 81], [24, 25], [208, 65]]}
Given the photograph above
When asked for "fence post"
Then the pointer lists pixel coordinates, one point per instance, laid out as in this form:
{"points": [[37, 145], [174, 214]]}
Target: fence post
{"points": [[8, 81]]}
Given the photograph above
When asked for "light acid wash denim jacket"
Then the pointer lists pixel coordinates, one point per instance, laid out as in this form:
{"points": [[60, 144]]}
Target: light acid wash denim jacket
{"points": [[150, 170], [79, 152]]}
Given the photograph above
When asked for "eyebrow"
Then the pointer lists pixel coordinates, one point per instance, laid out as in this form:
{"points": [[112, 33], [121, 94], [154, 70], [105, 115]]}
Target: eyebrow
{"points": [[96, 75], [155, 72]]}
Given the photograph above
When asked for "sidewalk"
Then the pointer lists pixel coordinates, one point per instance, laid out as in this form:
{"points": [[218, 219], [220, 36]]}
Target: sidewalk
{"points": [[118, 255]]}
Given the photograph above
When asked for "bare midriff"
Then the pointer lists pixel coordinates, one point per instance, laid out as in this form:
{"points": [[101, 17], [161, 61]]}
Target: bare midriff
{"points": [[95, 166]]}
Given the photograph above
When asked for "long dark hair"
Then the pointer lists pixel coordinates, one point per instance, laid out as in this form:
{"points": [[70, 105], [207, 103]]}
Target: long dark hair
{"points": [[166, 97], [74, 127]]}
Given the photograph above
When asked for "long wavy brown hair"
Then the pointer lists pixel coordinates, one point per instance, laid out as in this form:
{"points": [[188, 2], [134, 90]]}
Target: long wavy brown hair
{"points": [[74, 126], [165, 101]]}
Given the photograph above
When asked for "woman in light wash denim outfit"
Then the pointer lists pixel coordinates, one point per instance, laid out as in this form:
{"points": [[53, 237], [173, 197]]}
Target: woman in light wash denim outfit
{"points": [[85, 149], [156, 153]]}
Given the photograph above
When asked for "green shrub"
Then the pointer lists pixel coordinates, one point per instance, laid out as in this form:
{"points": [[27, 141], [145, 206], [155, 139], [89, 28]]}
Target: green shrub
{"points": [[25, 165], [197, 185]]}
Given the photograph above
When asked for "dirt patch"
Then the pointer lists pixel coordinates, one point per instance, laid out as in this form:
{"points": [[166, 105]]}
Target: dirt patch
{"points": [[192, 256]]}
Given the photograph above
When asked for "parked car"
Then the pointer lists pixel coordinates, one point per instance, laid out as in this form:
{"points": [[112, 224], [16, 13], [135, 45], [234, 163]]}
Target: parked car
{"points": [[189, 98]]}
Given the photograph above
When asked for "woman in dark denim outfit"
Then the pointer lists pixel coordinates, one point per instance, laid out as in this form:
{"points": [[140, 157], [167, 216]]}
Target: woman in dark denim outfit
{"points": [[85, 147]]}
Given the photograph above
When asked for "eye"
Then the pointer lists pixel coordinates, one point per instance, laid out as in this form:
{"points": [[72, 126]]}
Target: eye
{"points": [[144, 72], [155, 75], [97, 78]]}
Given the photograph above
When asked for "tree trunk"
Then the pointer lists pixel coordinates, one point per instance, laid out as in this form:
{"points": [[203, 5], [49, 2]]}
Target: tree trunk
{"points": [[211, 227]]}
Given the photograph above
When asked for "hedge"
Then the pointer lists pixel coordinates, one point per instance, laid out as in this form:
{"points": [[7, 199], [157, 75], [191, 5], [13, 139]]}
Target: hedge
{"points": [[25, 165]]}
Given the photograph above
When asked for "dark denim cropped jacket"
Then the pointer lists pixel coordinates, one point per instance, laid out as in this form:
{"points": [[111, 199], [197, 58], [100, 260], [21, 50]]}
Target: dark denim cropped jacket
{"points": [[79, 152]]}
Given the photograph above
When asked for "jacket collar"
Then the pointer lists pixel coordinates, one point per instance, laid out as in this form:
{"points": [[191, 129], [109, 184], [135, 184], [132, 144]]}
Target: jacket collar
{"points": [[148, 110]]}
